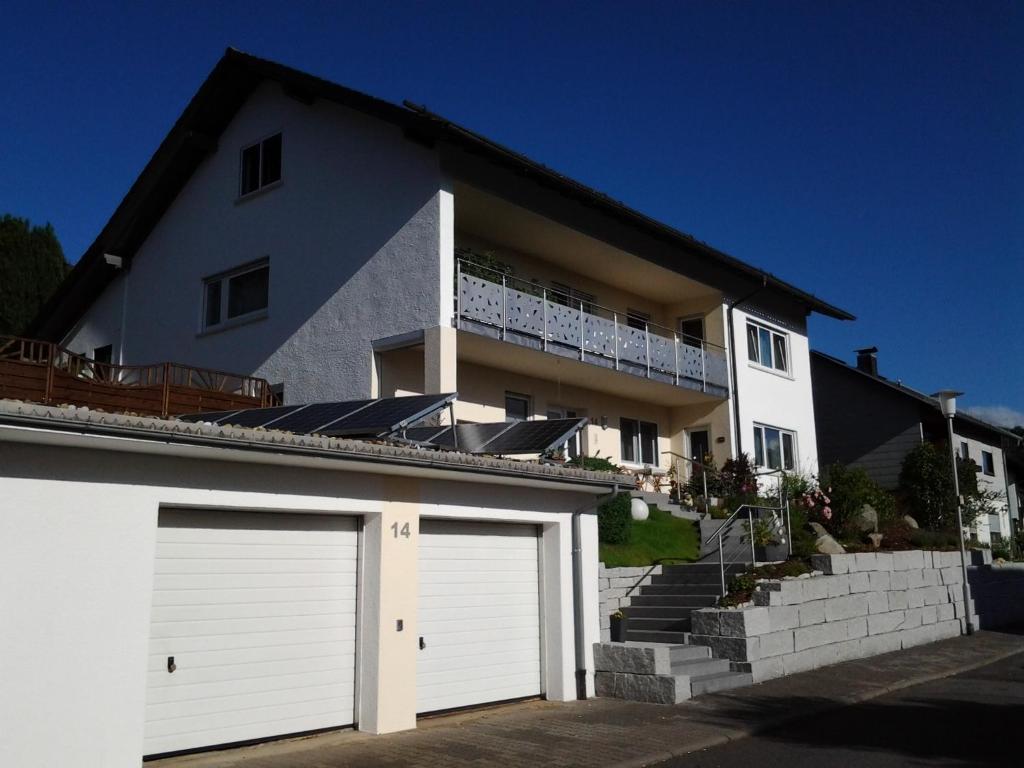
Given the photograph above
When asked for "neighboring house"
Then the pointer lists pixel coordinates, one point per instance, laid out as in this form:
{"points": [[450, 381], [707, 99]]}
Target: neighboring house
{"points": [[344, 247], [170, 586], [866, 420]]}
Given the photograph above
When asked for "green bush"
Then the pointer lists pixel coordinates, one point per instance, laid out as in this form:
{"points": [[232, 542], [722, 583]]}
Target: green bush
{"points": [[593, 464], [924, 539], [1001, 549], [803, 537], [849, 489], [614, 521], [926, 488]]}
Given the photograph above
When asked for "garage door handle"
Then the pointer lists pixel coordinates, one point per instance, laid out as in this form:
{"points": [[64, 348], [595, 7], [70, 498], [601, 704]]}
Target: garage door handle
{"points": [[171, 666], [422, 644]]}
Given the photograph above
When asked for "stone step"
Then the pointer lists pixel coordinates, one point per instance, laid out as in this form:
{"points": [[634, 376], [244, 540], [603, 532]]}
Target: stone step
{"points": [[680, 654], [700, 601], [699, 567], [720, 681], [708, 576], [659, 624], [701, 668], [681, 589], [660, 611], [644, 636]]}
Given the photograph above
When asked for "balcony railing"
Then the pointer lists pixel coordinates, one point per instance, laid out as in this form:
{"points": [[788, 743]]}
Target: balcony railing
{"points": [[42, 372], [530, 314]]}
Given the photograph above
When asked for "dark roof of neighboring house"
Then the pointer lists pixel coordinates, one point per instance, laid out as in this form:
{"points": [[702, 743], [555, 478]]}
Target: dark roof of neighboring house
{"points": [[227, 87], [920, 397]]}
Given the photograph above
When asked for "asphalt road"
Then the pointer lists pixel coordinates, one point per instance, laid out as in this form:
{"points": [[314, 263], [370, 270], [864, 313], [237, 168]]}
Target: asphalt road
{"points": [[973, 719]]}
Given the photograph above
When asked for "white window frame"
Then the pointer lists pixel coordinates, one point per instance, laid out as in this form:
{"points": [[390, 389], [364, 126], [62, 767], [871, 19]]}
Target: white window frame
{"points": [[260, 186], [224, 279], [638, 452], [761, 447], [773, 334], [575, 443]]}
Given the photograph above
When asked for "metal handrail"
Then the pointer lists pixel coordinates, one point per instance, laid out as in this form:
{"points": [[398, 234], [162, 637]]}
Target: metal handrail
{"points": [[704, 476], [730, 521], [585, 306]]}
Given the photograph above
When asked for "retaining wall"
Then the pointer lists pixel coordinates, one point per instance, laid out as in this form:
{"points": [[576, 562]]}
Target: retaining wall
{"points": [[855, 605], [998, 594], [613, 584]]}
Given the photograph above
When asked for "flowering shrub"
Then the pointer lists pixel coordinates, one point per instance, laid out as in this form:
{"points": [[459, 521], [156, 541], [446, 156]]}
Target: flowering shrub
{"points": [[817, 504]]}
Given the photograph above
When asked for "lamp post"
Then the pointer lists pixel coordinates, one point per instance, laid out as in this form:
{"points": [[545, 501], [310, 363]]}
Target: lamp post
{"points": [[947, 404]]}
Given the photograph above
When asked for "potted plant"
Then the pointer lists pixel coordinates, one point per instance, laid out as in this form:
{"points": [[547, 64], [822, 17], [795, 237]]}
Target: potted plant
{"points": [[619, 623], [768, 538]]}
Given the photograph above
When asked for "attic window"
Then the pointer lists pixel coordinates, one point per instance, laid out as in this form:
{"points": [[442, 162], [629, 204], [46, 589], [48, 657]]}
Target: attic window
{"points": [[261, 165]]}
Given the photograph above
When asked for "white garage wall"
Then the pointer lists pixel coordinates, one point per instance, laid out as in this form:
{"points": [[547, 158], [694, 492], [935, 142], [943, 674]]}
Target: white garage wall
{"points": [[77, 539]]}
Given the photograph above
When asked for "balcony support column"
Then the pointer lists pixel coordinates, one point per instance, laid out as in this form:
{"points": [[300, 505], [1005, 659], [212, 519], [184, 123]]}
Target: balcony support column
{"points": [[440, 361]]}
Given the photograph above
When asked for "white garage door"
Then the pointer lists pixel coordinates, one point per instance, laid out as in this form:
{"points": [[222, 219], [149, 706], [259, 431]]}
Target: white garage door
{"points": [[258, 612], [479, 614]]}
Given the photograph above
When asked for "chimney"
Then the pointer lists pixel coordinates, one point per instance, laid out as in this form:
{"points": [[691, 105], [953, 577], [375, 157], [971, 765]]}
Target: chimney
{"points": [[867, 360]]}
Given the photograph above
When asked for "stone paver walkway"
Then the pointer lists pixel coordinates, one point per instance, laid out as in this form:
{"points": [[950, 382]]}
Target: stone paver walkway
{"points": [[617, 734]]}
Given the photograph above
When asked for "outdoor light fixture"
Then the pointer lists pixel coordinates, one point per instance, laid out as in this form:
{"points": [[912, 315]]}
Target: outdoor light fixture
{"points": [[947, 404], [115, 261]]}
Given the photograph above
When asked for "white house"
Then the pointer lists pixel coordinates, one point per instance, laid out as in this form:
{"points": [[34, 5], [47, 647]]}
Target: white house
{"points": [[171, 586], [345, 247]]}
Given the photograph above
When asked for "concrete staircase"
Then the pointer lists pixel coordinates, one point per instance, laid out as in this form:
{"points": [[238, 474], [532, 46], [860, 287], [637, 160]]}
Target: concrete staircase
{"points": [[659, 612], [662, 673]]}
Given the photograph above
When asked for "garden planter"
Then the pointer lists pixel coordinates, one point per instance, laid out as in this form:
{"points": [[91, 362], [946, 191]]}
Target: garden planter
{"points": [[771, 553], [619, 628]]}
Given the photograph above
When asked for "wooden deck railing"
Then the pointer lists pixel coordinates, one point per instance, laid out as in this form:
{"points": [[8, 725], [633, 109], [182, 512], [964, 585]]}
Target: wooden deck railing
{"points": [[42, 372]]}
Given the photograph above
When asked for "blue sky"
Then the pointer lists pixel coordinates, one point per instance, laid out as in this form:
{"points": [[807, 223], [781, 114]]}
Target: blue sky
{"points": [[869, 152]]}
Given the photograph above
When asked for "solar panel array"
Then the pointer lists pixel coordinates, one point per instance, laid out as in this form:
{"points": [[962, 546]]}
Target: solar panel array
{"points": [[500, 438], [352, 418], [397, 417], [533, 436]]}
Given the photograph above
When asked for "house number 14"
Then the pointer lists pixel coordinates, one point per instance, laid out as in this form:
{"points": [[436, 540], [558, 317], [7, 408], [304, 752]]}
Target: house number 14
{"points": [[403, 531]]}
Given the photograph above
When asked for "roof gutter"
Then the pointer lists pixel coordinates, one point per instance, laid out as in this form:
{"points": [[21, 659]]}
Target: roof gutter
{"points": [[732, 363], [118, 438]]}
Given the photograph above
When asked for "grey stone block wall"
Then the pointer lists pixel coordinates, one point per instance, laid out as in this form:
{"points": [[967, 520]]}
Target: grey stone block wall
{"points": [[858, 605], [613, 584]]}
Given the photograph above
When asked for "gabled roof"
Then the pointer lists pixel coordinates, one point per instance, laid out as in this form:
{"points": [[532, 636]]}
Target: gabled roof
{"points": [[231, 82], [919, 397]]}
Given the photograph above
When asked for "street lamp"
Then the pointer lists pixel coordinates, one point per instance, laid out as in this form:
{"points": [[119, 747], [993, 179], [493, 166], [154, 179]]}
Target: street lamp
{"points": [[947, 404]]}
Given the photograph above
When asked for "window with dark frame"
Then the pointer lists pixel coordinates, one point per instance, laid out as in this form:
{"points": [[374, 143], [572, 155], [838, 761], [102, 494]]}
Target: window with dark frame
{"points": [[637, 319], [517, 407], [774, 448], [691, 330], [104, 354], [638, 441], [988, 464], [260, 165], [965, 452], [247, 292], [767, 348]]}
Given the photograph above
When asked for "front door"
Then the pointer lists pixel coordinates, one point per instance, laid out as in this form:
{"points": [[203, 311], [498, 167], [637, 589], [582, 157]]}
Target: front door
{"points": [[700, 446]]}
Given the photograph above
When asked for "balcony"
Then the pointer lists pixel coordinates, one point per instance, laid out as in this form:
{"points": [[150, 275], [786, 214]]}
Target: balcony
{"points": [[42, 372], [491, 303]]}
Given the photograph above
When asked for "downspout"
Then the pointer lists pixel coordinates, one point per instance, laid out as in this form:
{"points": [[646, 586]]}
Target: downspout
{"points": [[577, 592], [732, 363], [1006, 488]]}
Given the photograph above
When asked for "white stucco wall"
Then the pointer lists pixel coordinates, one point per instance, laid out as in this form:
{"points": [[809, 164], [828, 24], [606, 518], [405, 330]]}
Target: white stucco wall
{"points": [[77, 538], [999, 522], [773, 398], [353, 233]]}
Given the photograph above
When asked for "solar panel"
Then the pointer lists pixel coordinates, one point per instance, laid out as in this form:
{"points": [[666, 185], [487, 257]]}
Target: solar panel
{"points": [[388, 415], [257, 417], [532, 436], [313, 417], [438, 435], [212, 416]]}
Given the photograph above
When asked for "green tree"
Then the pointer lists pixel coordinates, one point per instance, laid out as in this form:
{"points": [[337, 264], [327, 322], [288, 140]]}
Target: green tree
{"points": [[926, 488], [31, 266]]}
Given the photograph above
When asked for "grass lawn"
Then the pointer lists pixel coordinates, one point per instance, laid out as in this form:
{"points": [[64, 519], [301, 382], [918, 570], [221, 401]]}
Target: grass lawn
{"points": [[659, 536]]}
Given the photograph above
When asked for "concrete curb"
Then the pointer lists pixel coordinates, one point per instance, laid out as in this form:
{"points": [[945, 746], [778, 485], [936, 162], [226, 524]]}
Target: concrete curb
{"points": [[774, 722]]}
